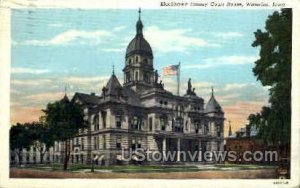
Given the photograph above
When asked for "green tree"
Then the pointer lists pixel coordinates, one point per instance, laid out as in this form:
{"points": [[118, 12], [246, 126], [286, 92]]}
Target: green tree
{"points": [[19, 139], [64, 119], [41, 138], [273, 69]]}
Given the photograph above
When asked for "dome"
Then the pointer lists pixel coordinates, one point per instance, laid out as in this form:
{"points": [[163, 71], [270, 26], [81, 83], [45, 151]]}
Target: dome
{"points": [[139, 45]]}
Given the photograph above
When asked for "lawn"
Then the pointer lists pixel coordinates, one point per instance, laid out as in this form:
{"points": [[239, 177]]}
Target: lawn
{"points": [[146, 168]]}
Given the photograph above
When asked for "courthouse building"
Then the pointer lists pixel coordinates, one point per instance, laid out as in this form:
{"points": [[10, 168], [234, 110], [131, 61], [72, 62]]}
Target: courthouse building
{"points": [[140, 114]]}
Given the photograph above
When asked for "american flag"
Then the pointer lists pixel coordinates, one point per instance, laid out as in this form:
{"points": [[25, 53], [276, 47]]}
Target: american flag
{"points": [[170, 70]]}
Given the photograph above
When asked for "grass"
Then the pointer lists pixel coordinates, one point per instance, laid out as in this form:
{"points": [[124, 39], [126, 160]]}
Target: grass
{"points": [[147, 168]]}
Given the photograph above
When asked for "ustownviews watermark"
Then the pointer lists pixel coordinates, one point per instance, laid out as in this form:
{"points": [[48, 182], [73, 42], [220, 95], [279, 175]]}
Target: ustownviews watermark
{"points": [[198, 156]]}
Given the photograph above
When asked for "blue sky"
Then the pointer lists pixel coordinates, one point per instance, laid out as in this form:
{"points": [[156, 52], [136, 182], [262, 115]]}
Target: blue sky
{"points": [[52, 48]]}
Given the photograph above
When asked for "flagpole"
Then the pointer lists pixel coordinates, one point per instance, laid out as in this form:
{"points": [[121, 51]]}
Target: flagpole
{"points": [[178, 79]]}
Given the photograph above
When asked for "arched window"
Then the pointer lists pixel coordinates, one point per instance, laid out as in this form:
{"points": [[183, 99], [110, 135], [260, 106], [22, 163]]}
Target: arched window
{"points": [[136, 59], [96, 122], [163, 122]]}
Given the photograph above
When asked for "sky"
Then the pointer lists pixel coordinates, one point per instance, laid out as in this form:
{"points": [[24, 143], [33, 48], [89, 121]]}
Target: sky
{"points": [[74, 48]]}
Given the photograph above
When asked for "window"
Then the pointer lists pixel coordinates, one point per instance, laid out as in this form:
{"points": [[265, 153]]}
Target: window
{"points": [[118, 143], [133, 144], [96, 122], [136, 76], [136, 59], [118, 121], [150, 124], [95, 142], [163, 122], [27, 157], [77, 158], [128, 77], [135, 123], [218, 130], [104, 142], [82, 144], [103, 114]]}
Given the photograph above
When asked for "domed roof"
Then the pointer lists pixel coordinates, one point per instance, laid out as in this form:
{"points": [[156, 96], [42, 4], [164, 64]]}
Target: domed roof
{"points": [[213, 105], [139, 44]]}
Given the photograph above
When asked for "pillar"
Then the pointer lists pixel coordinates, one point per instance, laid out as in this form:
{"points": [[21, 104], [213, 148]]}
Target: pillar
{"points": [[199, 151], [164, 147], [178, 149]]}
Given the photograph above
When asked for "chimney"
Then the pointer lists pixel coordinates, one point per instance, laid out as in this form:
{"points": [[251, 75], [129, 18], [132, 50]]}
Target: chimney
{"points": [[93, 94]]}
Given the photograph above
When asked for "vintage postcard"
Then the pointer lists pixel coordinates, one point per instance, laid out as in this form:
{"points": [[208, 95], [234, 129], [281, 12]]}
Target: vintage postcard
{"points": [[153, 93]]}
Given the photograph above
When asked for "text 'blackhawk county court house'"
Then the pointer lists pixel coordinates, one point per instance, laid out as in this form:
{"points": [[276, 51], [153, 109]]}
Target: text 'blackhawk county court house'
{"points": [[141, 115]]}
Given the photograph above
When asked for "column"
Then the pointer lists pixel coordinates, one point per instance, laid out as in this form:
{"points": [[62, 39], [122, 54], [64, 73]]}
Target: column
{"points": [[200, 151], [178, 150], [164, 148], [199, 145]]}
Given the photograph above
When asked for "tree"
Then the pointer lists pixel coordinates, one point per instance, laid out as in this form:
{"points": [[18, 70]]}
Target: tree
{"points": [[41, 137], [64, 119], [19, 139], [273, 69]]}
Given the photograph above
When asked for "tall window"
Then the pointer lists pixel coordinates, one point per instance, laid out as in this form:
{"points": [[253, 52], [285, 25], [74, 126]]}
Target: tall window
{"points": [[133, 144], [136, 123], [82, 143], [136, 76], [118, 121], [128, 77], [104, 142], [95, 142], [150, 124], [163, 122], [96, 122], [103, 114], [218, 130], [118, 143]]}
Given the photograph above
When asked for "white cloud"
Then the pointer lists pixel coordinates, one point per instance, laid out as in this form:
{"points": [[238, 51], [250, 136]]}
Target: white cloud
{"points": [[174, 40], [85, 80], [22, 70], [113, 50], [57, 25], [85, 37], [31, 82], [223, 60], [119, 28], [228, 35]]}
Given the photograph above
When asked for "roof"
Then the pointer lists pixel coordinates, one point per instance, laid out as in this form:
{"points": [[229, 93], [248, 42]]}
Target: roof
{"points": [[113, 86], [65, 99], [87, 98], [139, 45], [213, 105]]}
